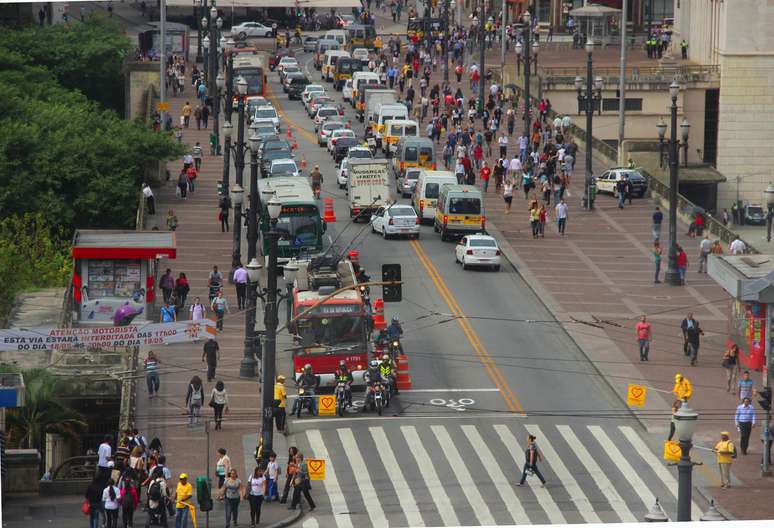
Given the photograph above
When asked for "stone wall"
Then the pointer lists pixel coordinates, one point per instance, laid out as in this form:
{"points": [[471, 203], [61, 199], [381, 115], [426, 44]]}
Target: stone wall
{"points": [[139, 77], [745, 127]]}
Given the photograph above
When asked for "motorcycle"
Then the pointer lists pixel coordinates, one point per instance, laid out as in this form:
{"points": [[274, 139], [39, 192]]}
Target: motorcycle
{"points": [[378, 398], [365, 293], [341, 398], [305, 399], [388, 391], [394, 349]]}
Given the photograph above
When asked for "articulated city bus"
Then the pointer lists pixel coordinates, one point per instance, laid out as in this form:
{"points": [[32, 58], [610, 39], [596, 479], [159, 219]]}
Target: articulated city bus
{"points": [[299, 222]]}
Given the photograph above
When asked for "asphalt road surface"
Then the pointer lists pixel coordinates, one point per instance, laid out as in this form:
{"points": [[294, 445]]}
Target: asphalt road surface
{"points": [[489, 365]]}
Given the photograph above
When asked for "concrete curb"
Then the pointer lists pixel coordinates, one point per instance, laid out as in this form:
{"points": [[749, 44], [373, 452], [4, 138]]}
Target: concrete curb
{"points": [[289, 520]]}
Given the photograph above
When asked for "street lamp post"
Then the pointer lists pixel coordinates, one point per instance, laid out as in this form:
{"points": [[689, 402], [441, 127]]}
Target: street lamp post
{"points": [[672, 275], [197, 10], [247, 366], [215, 24], [239, 164], [526, 48], [227, 126], [273, 207], [290, 270], [685, 425], [206, 48], [447, 5], [593, 94], [482, 54]]}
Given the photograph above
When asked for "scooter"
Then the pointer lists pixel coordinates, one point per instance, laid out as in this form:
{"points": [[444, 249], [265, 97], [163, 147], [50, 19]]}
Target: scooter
{"points": [[394, 349], [341, 398]]}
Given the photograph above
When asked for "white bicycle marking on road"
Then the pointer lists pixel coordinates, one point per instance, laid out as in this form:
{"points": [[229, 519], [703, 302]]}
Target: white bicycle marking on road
{"points": [[457, 405]]}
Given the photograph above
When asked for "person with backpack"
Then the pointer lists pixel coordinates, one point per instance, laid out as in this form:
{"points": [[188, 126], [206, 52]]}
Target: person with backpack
{"points": [[197, 155], [194, 399], [129, 502], [158, 494], [532, 457], [192, 173], [182, 184]]}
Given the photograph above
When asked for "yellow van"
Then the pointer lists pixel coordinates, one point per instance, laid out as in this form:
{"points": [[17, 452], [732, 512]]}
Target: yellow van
{"points": [[329, 63], [413, 152], [396, 129], [459, 211]]}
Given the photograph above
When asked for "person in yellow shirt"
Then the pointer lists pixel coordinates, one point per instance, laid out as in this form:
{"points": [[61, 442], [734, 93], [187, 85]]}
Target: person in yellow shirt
{"points": [[682, 389], [725, 451], [280, 400], [185, 509]]}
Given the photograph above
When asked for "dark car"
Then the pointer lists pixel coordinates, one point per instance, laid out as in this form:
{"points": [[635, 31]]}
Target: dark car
{"points": [[272, 155], [297, 85], [310, 44], [638, 185], [273, 144], [342, 147]]}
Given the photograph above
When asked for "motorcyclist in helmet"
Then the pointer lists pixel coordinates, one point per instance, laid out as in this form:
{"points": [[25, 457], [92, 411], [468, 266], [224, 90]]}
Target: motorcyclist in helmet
{"points": [[309, 382], [395, 331], [344, 375], [388, 369], [371, 376]]}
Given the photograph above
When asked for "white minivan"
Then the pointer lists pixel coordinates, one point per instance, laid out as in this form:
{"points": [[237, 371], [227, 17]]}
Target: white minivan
{"points": [[329, 63], [427, 190], [339, 35]]}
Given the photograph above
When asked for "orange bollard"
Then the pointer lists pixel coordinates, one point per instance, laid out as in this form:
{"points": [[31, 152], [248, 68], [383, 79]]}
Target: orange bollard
{"points": [[328, 214], [303, 162], [403, 380], [379, 322]]}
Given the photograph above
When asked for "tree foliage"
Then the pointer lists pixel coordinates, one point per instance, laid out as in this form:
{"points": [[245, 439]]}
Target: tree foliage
{"points": [[87, 57], [43, 411]]}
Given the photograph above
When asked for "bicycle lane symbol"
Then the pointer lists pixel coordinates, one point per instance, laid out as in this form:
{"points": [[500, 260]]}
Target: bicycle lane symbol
{"points": [[457, 405]]}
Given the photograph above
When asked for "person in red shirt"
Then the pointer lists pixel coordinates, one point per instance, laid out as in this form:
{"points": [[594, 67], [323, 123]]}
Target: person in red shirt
{"points": [[682, 264], [484, 174], [458, 71], [478, 155], [643, 337], [468, 171]]}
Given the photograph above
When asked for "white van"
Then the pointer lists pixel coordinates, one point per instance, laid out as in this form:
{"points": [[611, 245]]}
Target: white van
{"points": [[362, 78], [427, 190], [329, 63], [384, 113], [339, 35], [394, 130]]}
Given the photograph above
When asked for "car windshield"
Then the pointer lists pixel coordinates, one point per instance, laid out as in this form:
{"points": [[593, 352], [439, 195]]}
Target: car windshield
{"points": [[288, 166], [360, 153], [328, 112], [292, 69], [330, 330], [264, 129], [401, 211], [287, 61], [276, 154], [482, 242], [329, 127], [276, 144], [265, 113], [343, 133], [431, 190], [469, 206], [412, 175], [755, 210]]}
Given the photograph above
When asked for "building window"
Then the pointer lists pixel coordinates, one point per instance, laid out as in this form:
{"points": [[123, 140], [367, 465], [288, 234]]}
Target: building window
{"points": [[631, 105], [543, 10]]}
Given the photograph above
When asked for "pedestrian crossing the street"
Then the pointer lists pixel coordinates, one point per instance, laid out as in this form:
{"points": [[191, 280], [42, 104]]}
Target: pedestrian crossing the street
{"points": [[436, 474]]}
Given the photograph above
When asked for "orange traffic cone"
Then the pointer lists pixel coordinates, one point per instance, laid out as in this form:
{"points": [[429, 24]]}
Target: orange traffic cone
{"points": [[290, 132], [379, 322], [328, 214], [403, 379], [303, 162]]}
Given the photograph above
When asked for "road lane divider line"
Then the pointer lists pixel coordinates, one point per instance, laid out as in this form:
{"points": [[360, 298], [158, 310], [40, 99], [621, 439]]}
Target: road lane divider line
{"points": [[495, 374]]}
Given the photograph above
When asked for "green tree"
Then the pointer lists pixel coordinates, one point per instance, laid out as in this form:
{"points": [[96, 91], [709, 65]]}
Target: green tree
{"points": [[87, 57], [43, 411]]}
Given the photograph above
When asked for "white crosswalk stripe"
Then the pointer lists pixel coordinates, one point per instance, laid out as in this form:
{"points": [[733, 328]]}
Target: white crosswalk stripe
{"points": [[502, 484], [430, 476], [599, 476], [335, 496], [595, 474], [464, 477], [542, 494], [554, 460], [402, 489], [658, 467], [363, 478]]}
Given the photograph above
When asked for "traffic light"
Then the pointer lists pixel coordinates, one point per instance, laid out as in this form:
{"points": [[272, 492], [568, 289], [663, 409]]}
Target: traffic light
{"points": [[765, 398], [203, 496], [298, 12], [391, 292]]}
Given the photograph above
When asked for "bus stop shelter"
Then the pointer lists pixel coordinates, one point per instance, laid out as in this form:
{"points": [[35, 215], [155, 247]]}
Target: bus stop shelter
{"points": [[597, 22]]}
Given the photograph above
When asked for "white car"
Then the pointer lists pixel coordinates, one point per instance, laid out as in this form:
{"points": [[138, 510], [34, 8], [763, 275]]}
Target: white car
{"points": [[394, 220], [284, 166], [324, 131], [360, 153], [317, 101], [346, 90], [250, 29], [325, 112], [477, 250], [336, 134], [360, 54], [286, 61], [267, 113], [310, 91], [342, 173]]}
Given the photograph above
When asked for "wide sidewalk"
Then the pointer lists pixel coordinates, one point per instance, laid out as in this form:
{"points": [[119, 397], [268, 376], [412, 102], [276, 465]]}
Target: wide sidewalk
{"points": [[602, 273]]}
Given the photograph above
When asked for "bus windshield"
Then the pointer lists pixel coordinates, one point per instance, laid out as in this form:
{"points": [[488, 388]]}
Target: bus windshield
{"points": [[324, 330], [254, 78], [299, 230]]}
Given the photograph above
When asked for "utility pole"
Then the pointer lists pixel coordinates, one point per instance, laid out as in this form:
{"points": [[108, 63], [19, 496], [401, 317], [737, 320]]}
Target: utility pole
{"points": [[446, 40], [765, 471], [503, 18], [482, 56], [622, 86], [163, 63]]}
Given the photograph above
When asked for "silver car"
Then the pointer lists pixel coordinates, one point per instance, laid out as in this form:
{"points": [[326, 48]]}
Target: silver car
{"points": [[324, 132], [406, 183]]}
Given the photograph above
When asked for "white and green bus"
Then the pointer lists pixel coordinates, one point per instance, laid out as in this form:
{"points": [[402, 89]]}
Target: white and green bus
{"points": [[299, 222]]}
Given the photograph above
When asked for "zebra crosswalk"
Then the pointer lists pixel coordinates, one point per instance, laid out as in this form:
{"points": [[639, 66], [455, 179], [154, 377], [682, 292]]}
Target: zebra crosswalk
{"points": [[430, 474]]}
